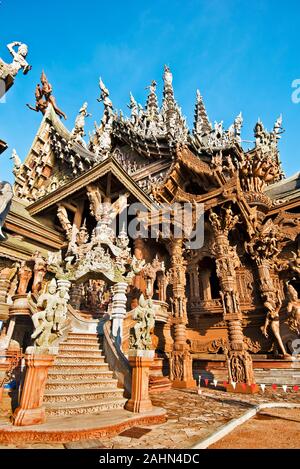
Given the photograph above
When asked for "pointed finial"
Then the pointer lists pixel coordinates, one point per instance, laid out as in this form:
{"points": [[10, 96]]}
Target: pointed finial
{"points": [[202, 123]]}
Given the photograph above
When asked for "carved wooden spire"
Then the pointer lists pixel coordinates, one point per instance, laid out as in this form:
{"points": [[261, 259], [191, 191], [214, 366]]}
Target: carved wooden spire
{"points": [[171, 112], [152, 108], [202, 124]]}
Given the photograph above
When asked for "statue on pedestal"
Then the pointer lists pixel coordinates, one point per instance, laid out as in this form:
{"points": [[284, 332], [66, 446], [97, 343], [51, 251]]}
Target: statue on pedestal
{"points": [[145, 317], [50, 321]]}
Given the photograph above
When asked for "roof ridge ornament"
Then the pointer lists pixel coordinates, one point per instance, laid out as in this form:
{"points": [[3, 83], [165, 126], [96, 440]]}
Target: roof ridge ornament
{"points": [[78, 132], [152, 108], [44, 97]]}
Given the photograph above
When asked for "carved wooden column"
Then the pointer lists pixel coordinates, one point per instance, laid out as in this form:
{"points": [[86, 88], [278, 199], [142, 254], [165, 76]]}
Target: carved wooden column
{"points": [[139, 284], [194, 282], [75, 296], [5, 279], [181, 370], [239, 362], [20, 305], [118, 310], [263, 249]]}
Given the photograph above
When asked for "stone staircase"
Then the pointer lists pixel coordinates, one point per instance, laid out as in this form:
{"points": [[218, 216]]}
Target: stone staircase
{"points": [[80, 381]]}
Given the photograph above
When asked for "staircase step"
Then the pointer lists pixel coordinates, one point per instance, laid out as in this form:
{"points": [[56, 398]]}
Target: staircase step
{"points": [[91, 337], [74, 346], [78, 360], [80, 367], [88, 407], [81, 353], [78, 375], [82, 395], [96, 383], [83, 342]]}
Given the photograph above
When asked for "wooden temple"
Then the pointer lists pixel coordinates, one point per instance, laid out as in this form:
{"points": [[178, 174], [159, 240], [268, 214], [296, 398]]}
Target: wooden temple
{"points": [[227, 309]]}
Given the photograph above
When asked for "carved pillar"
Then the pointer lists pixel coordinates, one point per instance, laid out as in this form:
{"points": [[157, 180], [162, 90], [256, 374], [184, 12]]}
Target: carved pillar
{"points": [[139, 284], [194, 282], [39, 272], [118, 310], [5, 279], [140, 362], [182, 373], [239, 361], [75, 296], [31, 411], [24, 276]]}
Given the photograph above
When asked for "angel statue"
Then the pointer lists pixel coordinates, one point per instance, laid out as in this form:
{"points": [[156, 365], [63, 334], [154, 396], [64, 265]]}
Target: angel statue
{"points": [[6, 195], [19, 61]]}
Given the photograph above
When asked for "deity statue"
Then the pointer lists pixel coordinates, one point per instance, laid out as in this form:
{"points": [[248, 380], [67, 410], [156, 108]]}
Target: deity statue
{"points": [[39, 271], [43, 96], [19, 61], [273, 307], [145, 316], [49, 322], [6, 195]]}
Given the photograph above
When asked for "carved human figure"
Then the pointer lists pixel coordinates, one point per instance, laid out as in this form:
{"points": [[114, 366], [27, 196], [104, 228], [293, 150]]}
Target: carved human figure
{"points": [[39, 271], [43, 319], [19, 61], [272, 321], [43, 95], [145, 317], [293, 309], [24, 275]]}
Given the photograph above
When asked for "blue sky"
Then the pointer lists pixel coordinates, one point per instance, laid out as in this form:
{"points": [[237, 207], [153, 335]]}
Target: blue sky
{"points": [[243, 56]]}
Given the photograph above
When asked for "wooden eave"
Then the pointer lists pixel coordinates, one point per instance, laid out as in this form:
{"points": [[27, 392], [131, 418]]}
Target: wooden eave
{"points": [[288, 205], [32, 229], [98, 171]]}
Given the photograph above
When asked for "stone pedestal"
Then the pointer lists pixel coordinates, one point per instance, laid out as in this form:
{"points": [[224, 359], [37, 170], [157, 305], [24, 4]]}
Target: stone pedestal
{"points": [[31, 411], [181, 370], [140, 362]]}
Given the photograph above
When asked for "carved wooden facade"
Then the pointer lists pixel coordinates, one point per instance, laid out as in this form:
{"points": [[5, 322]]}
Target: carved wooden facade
{"points": [[228, 296]]}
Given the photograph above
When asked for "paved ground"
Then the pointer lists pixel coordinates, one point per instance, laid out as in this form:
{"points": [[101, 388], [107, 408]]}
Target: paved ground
{"points": [[191, 418]]}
